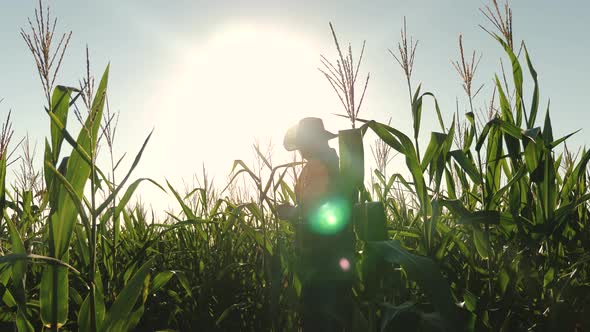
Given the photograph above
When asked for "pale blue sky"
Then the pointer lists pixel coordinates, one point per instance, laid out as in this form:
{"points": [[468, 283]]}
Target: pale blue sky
{"points": [[212, 75]]}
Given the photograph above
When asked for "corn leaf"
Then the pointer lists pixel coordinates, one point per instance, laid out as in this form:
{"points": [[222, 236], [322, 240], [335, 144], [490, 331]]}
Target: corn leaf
{"points": [[123, 305]]}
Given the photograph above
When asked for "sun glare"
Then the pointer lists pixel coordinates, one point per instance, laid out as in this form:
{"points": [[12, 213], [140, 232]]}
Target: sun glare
{"points": [[244, 81]]}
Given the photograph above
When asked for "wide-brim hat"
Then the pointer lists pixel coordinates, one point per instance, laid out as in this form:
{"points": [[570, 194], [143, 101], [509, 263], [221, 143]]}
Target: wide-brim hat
{"points": [[306, 133]]}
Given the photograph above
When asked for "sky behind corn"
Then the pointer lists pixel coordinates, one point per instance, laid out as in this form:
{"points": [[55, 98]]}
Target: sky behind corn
{"points": [[213, 76]]}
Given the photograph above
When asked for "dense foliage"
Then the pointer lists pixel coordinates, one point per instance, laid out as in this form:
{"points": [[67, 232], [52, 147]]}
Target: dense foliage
{"points": [[486, 230]]}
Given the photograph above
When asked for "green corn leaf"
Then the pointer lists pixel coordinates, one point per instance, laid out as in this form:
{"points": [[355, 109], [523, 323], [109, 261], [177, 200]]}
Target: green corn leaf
{"points": [[437, 109], [516, 75], [182, 278], [407, 148], [123, 305], [483, 135], [287, 191], [425, 272], [76, 146], [244, 169], [84, 320], [470, 300], [482, 243], [22, 323], [520, 173], [548, 277], [417, 111], [74, 197], [548, 187], [257, 237], [386, 136], [82, 245], [510, 129], [214, 211], [126, 198], [53, 295], [535, 101], [456, 207], [561, 140], [433, 149], [18, 273], [494, 161], [504, 103], [187, 211], [512, 142], [78, 171], [547, 129], [279, 181], [467, 165], [255, 210], [160, 280], [444, 246], [532, 154], [59, 106], [577, 174], [112, 196], [225, 314], [12, 258], [486, 217], [450, 182], [48, 155], [5, 294], [54, 282], [133, 320], [18, 267], [417, 102], [431, 224], [3, 188], [505, 126]]}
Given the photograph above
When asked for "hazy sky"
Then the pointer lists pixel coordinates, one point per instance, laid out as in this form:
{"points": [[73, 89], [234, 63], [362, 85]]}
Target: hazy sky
{"points": [[210, 76]]}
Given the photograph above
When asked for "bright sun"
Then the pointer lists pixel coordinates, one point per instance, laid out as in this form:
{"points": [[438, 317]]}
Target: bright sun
{"points": [[244, 81]]}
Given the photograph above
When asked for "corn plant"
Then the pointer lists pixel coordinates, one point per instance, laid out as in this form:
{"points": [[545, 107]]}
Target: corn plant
{"points": [[484, 229]]}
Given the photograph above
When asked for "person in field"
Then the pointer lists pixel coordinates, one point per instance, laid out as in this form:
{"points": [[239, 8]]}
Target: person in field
{"points": [[323, 232]]}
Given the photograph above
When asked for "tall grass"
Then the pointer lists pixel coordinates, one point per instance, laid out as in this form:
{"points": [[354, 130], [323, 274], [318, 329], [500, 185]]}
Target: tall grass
{"points": [[486, 230]]}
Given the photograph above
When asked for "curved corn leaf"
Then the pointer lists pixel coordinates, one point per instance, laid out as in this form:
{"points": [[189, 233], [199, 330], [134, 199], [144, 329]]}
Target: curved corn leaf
{"points": [[77, 173], [425, 272], [482, 243], [160, 280], [126, 198], [404, 145], [119, 312], [467, 164], [112, 196], [53, 295], [59, 106], [18, 274], [535, 101], [84, 320], [516, 75]]}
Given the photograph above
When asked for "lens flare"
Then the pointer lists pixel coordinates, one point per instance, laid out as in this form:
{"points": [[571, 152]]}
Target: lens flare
{"points": [[344, 264], [331, 217]]}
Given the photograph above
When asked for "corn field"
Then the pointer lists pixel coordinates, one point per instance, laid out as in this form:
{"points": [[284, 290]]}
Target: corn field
{"points": [[485, 229]]}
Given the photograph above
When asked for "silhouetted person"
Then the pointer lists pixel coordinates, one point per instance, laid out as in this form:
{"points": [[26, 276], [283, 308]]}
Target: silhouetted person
{"points": [[323, 231]]}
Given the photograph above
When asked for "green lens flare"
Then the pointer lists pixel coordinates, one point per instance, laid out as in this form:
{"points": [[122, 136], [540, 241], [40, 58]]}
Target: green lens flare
{"points": [[331, 217]]}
